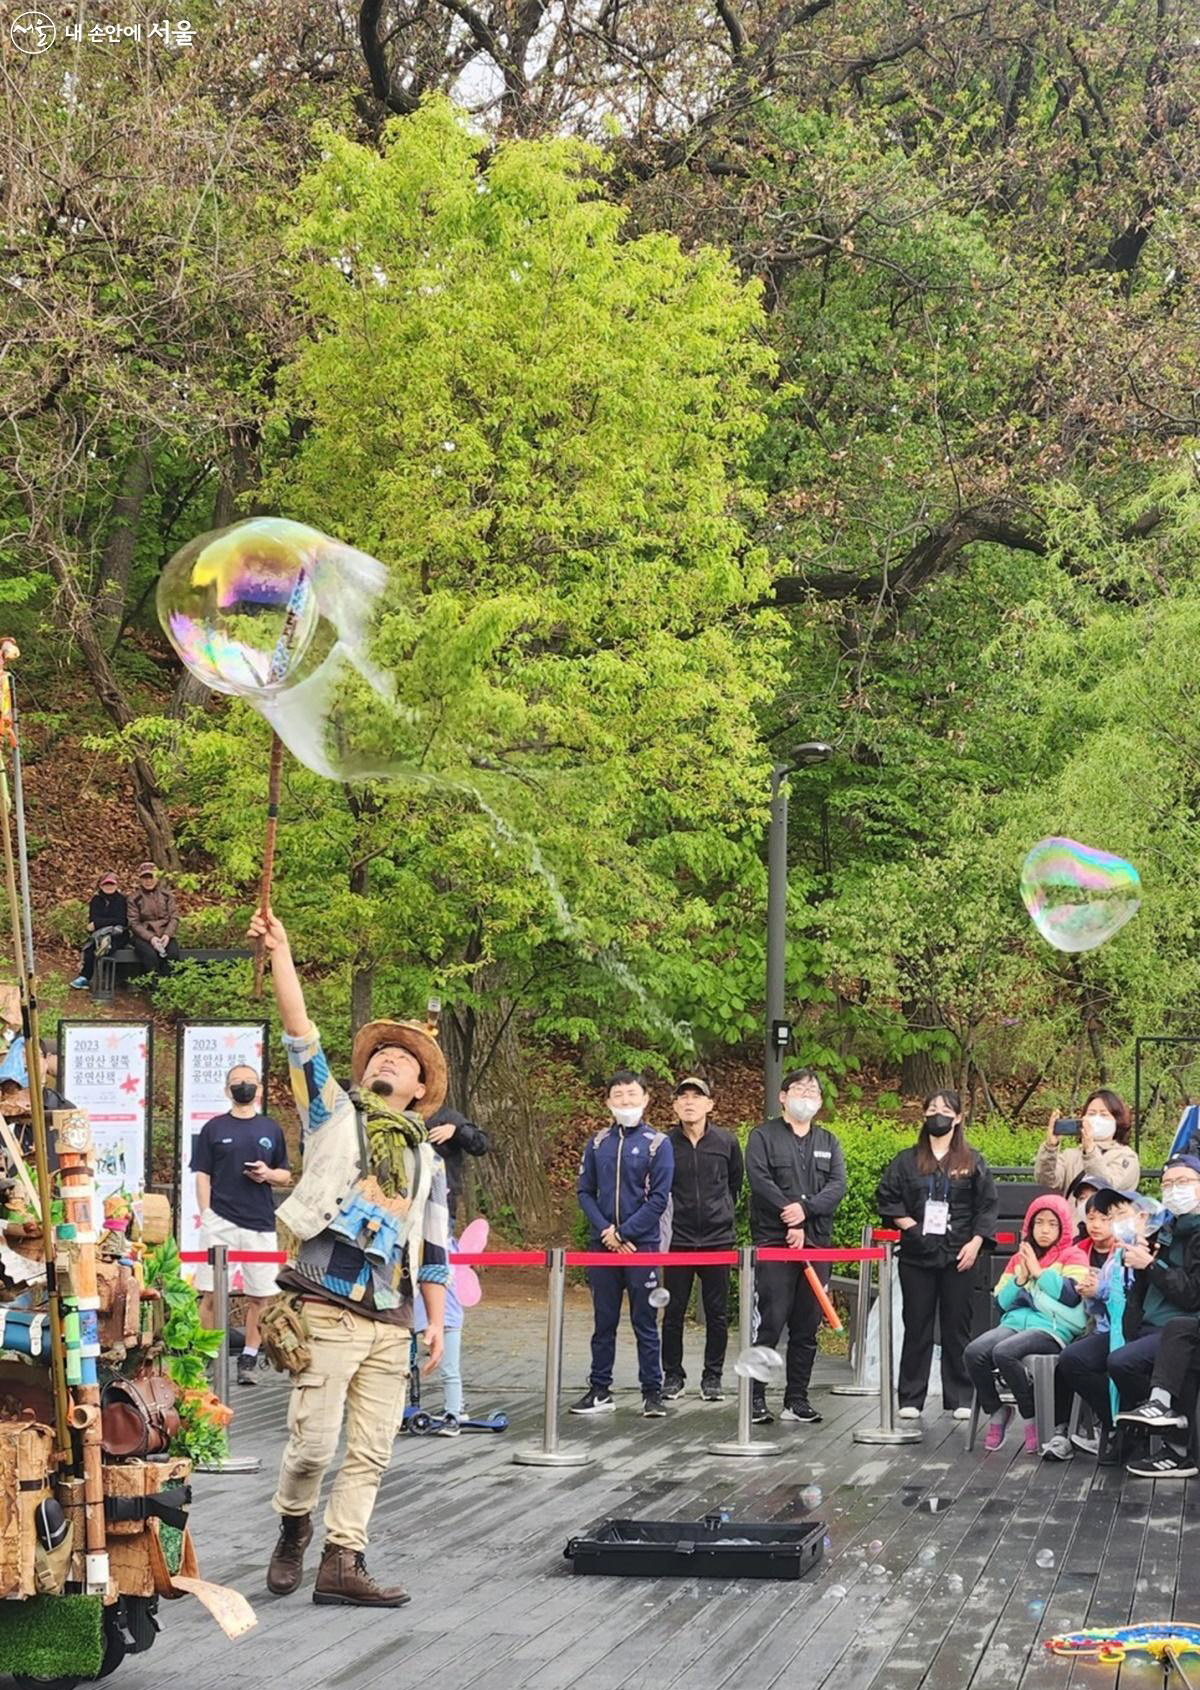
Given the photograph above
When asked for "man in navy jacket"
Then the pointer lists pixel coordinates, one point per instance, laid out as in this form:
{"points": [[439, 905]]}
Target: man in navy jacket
{"points": [[624, 1190]]}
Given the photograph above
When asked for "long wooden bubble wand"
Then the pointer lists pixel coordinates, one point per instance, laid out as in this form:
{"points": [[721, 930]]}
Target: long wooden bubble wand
{"points": [[281, 659]]}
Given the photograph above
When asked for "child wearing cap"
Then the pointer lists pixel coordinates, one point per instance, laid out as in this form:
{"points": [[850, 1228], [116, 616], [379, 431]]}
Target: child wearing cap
{"points": [[704, 1192], [107, 925]]}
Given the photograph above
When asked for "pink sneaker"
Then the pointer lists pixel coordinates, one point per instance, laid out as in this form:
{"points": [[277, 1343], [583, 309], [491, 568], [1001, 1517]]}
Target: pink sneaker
{"points": [[997, 1430], [1033, 1444]]}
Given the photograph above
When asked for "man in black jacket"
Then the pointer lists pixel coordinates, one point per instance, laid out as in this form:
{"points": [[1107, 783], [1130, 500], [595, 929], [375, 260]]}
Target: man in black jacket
{"points": [[454, 1137], [797, 1176], [704, 1194]]}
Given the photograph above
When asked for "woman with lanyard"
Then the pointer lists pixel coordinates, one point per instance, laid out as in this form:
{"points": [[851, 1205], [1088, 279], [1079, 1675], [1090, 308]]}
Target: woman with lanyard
{"points": [[942, 1197]]}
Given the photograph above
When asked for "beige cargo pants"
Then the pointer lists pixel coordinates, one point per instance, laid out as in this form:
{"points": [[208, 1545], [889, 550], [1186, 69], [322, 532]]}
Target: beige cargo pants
{"points": [[359, 1373]]}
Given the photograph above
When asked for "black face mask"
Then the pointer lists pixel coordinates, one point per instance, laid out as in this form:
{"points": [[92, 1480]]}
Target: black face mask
{"points": [[242, 1091], [939, 1125]]}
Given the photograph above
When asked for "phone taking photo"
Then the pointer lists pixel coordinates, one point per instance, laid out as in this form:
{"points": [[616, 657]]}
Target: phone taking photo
{"points": [[1066, 1127]]}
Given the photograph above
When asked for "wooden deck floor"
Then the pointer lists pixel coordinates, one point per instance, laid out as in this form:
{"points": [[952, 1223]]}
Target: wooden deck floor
{"points": [[495, 1606]]}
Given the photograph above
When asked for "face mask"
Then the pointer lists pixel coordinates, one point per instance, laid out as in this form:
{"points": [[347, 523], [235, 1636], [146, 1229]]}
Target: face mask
{"points": [[629, 1116], [939, 1125], [1102, 1126], [802, 1108], [1180, 1199], [242, 1091]]}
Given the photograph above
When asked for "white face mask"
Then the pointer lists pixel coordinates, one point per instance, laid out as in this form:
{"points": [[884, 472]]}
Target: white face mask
{"points": [[1102, 1127], [1181, 1199], [802, 1108], [629, 1116]]}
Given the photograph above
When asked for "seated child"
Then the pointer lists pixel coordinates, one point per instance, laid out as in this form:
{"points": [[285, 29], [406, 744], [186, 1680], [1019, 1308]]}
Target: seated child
{"points": [[1042, 1311]]}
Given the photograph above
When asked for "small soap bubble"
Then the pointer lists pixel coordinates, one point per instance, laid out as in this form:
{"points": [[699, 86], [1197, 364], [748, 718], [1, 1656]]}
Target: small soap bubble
{"points": [[1036, 1610], [928, 1555], [954, 1584], [759, 1362], [812, 1496], [660, 1298], [835, 1593], [878, 1570], [875, 1545], [828, 1543], [1078, 896], [1044, 1557]]}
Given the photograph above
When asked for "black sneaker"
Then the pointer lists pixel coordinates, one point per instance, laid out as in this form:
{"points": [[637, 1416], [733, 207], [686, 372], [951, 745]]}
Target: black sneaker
{"points": [[1153, 1414], [247, 1370], [760, 1414], [674, 1387], [710, 1390], [1168, 1464], [653, 1407], [594, 1401], [804, 1412]]}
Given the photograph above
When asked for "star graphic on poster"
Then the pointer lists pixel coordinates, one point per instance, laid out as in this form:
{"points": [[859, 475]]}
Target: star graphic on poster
{"points": [[113, 1042], [230, 1040], [129, 1083], [142, 1051]]}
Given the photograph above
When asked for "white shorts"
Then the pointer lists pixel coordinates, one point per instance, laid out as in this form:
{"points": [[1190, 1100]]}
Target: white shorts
{"points": [[257, 1278]]}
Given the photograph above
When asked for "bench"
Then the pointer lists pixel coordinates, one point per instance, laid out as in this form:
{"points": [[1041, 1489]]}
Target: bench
{"points": [[120, 966]]}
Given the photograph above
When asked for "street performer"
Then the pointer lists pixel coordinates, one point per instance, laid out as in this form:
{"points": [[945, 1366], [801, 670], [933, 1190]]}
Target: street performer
{"points": [[371, 1217]]}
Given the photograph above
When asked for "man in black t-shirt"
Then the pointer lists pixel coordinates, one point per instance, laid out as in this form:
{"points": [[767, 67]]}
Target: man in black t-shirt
{"points": [[237, 1158]]}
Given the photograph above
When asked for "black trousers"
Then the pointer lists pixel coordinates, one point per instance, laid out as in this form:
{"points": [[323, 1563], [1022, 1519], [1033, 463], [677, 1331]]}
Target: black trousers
{"points": [[946, 1292], [784, 1299], [1086, 1367], [714, 1293], [1177, 1363], [149, 958]]}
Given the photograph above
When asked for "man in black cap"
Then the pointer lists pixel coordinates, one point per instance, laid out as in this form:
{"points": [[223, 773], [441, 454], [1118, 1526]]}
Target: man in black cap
{"points": [[704, 1194]]}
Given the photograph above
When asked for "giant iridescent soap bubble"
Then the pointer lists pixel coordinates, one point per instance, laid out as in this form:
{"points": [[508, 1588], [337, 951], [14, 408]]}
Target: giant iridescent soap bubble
{"points": [[1078, 896], [279, 614]]}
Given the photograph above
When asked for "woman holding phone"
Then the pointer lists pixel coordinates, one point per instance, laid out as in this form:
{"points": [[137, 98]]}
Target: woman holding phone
{"points": [[1096, 1143]]}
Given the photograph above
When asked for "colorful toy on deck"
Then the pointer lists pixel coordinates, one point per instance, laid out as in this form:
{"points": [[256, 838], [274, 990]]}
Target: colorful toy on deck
{"points": [[1160, 1639]]}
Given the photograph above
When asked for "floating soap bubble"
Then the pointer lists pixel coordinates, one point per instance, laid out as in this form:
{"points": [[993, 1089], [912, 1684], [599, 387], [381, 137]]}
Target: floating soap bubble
{"points": [[928, 1555], [1078, 896], [659, 1298], [759, 1362], [835, 1593], [827, 1542], [1044, 1558], [1036, 1610], [812, 1496], [875, 1545], [279, 614]]}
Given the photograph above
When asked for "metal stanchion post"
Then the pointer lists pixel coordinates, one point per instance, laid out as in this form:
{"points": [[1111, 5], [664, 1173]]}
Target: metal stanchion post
{"points": [[550, 1455], [744, 1444], [218, 1260], [887, 1431], [862, 1314]]}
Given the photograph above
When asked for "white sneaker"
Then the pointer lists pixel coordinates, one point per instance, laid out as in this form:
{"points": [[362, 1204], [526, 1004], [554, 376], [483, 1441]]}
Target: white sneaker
{"points": [[910, 1414], [962, 1413], [1059, 1448]]}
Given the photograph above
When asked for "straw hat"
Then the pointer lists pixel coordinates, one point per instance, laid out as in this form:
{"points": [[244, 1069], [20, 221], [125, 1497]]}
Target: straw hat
{"points": [[410, 1036]]}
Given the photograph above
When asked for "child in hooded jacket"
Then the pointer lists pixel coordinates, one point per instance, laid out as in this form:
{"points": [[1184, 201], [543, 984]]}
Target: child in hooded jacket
{"points": [[1042, 1311]]}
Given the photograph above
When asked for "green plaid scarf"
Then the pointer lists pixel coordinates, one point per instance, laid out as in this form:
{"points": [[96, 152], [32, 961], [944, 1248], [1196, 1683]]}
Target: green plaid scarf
{"points": [[389, 1135]]}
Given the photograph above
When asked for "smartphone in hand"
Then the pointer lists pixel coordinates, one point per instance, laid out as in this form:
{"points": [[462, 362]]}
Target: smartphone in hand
{"points": [[1066, 1127]]}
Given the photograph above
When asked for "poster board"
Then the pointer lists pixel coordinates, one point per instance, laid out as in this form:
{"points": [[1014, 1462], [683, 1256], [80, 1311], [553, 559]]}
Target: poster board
{"points": [[205, 1053], [107, 1068]]}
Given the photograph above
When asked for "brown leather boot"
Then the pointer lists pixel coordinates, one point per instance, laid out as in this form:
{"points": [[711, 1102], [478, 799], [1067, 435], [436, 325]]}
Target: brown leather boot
{"points": [[287, 1562], [343, 1579]]}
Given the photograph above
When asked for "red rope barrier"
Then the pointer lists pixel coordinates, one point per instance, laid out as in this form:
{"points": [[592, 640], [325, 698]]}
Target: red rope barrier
{"points": [[769, 1253], [650, 1258]]}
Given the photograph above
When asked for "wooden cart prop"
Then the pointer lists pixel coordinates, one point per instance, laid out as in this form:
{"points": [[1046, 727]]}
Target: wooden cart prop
{"points": [[93, 1504]]}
